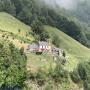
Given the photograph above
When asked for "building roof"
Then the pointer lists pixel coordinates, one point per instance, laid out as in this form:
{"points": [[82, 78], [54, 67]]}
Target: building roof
{"points": [[33, 46], [43, 43]]}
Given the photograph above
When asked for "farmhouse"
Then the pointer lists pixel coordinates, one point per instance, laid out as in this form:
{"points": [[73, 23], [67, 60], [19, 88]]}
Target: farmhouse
{"points": [[41, 46]]}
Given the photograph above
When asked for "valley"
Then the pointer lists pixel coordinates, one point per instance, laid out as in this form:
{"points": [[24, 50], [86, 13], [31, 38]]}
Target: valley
{"points": [[43, 46]]}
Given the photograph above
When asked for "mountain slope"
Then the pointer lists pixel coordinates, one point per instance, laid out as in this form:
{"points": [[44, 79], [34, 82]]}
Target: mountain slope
{"points": [[30, 10], [10, 24], [75, 51], [14, 30]]}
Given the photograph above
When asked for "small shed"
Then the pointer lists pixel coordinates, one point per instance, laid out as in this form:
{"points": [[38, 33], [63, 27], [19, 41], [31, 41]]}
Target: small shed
{"points": [[57, 51]]}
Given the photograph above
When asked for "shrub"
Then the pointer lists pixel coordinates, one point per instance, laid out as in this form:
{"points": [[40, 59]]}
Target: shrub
{"points": [[56, 41], [38, 30], [75, 76], [44, 36], [49, 86], [41, 77], [82, 71], [22, 50], [59, 74], [3, 35]]}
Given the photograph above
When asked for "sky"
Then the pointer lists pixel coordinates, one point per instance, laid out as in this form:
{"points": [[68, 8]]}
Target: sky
{"points": [[67, 4]]}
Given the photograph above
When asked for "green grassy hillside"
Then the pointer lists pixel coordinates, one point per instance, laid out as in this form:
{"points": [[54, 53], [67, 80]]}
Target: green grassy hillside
{"points": [[10, 24], [75, 51], [14, 30]]}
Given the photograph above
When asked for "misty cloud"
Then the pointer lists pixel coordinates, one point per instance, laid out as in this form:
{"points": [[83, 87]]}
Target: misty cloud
{"points": [[67, 4]]}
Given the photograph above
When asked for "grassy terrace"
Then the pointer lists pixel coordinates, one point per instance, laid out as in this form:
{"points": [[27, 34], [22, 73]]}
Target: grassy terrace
{"points": [[36, 62]]}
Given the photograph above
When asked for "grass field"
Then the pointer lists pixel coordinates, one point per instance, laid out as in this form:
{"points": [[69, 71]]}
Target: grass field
{"points": [[13, 28], [75, 52], [10, 24], [36, 62]]}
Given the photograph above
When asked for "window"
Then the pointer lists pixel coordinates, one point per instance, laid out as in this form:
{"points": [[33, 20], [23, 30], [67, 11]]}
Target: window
{"points": [[41, 47], [46, 47]]}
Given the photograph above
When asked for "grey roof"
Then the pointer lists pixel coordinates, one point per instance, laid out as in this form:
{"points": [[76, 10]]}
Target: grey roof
{"points": [[33, 46], [43, 43]]}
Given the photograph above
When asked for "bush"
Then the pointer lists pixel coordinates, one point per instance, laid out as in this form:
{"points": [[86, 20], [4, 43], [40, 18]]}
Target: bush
{"points": [[59, 74], [44, 36], [75, 76], [50, 86], [38, 30], [41, 77], [37, 27], [56, 41], [82, 71], [22, 50]]}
